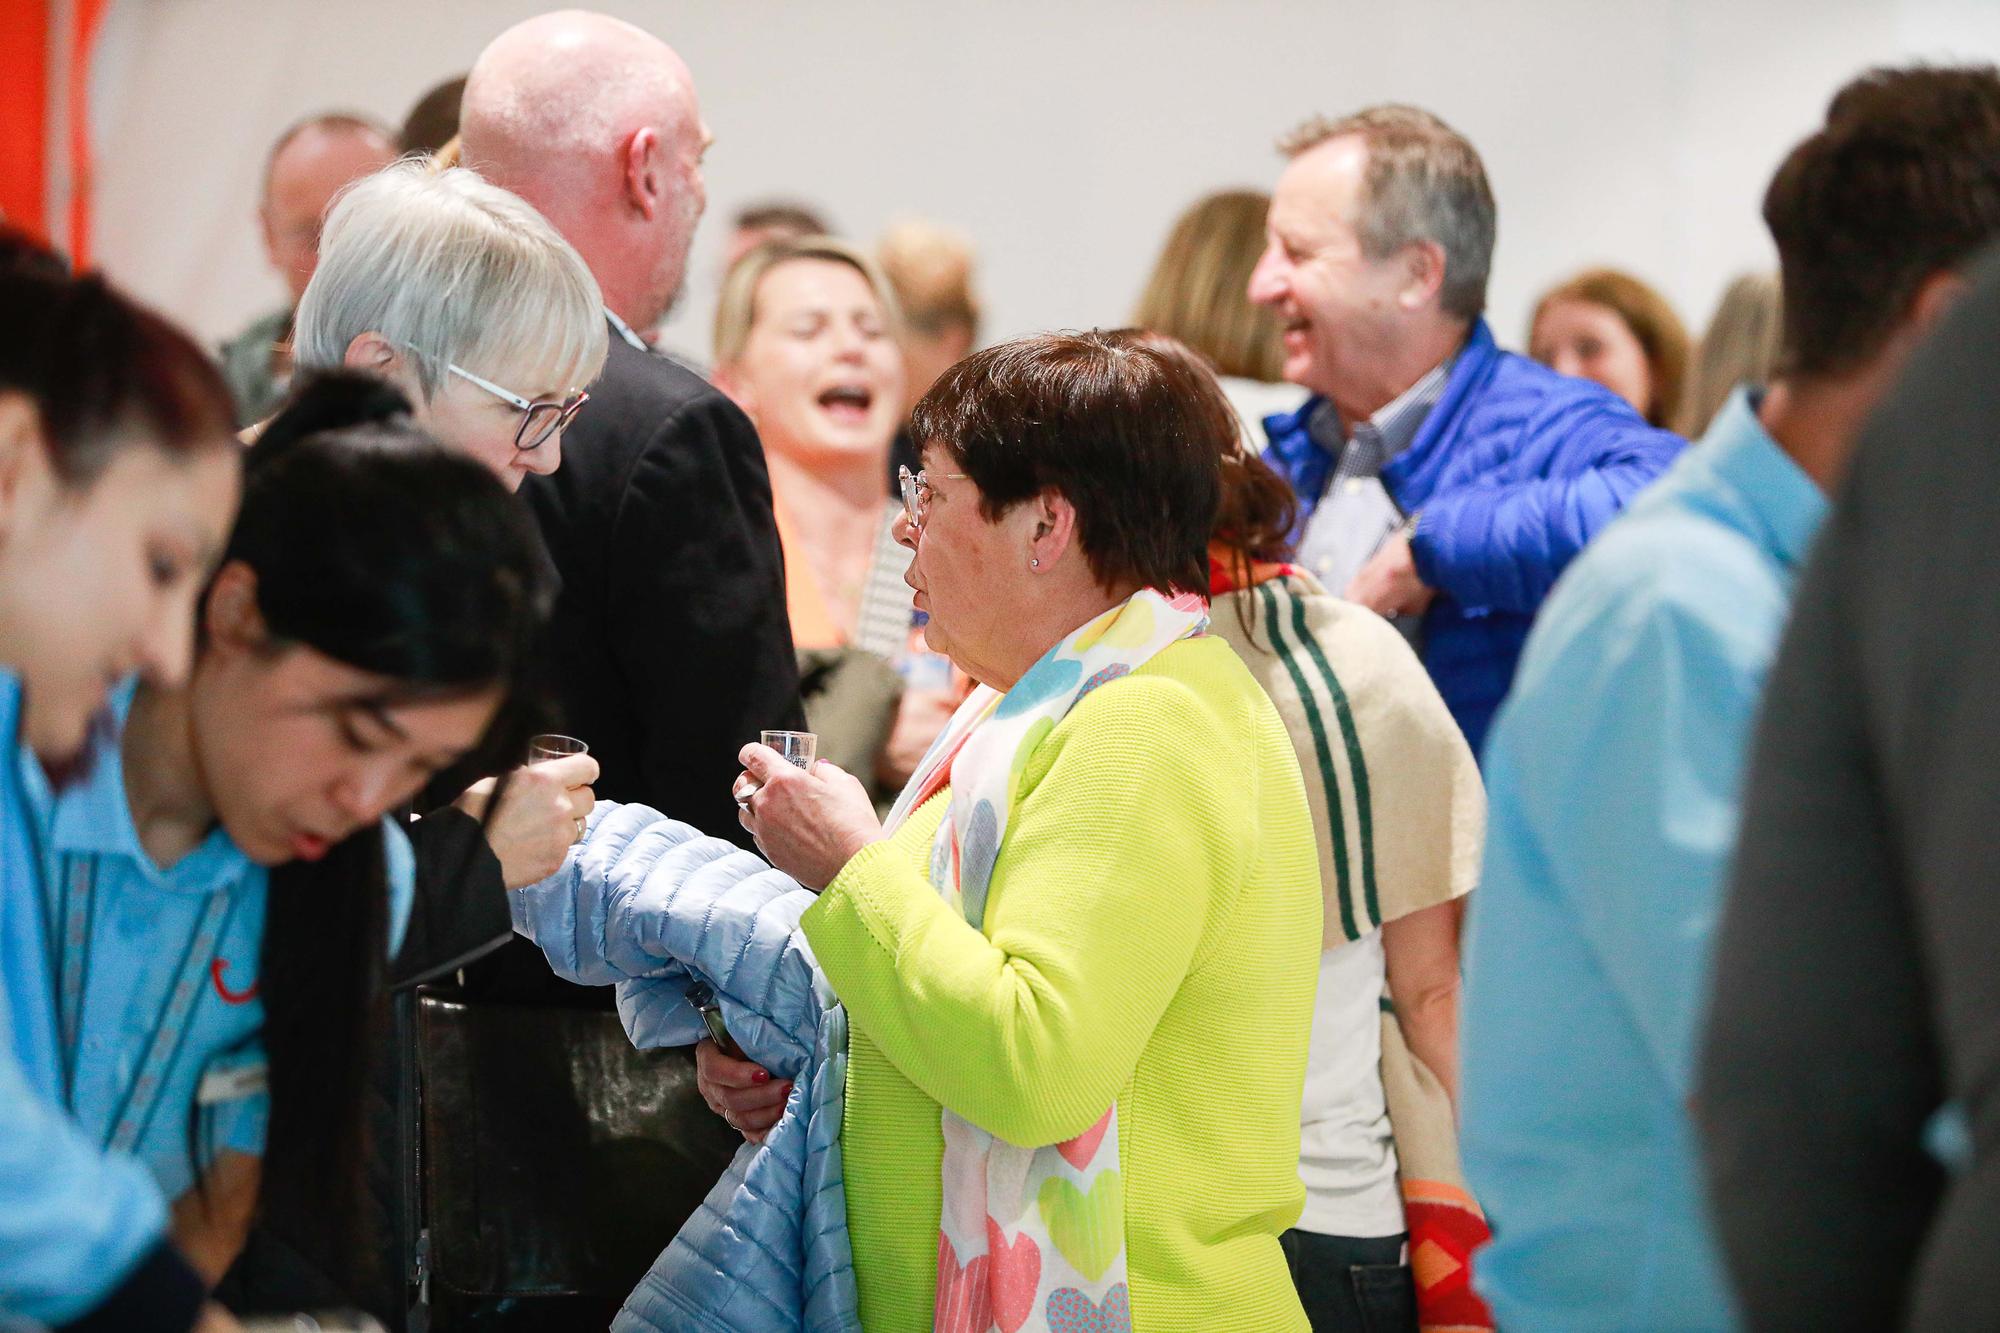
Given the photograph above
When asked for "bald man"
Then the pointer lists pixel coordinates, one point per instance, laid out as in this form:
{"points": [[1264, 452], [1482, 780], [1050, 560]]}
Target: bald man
{"points": [[670, 645], [311, 162]]}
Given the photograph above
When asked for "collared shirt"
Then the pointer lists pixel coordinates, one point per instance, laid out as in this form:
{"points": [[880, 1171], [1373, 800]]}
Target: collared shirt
{"points": [[138, 938], [624, 331], [1356, 513], [137, 950], [73, 1219], [633, 340], [1612, 775]]}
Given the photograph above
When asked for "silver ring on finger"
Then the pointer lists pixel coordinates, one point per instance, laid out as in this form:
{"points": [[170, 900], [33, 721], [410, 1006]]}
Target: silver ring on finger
{"points": [[744, 797]]}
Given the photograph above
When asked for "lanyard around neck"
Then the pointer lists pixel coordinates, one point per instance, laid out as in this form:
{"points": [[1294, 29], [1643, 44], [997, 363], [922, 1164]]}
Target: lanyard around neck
{"points": [[141, 1096]]}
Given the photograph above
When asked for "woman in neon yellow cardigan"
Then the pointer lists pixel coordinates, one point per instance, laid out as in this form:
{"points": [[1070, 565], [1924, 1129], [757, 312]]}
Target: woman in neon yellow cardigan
{"points": [[1096, 905]]}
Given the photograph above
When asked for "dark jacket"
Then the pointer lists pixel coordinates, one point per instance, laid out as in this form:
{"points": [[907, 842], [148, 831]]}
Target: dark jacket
{"points": [[1511, 473], [246, 367], [459, 911], [670, 646], [1855, 991]]}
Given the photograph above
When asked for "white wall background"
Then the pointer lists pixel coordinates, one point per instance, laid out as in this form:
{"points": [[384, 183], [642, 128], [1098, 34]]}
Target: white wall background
{"points": [[1063, 134]]}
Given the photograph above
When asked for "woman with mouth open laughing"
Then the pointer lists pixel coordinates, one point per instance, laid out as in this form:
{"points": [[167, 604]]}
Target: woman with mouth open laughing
{"points": [[805, 342], [226, 886]]}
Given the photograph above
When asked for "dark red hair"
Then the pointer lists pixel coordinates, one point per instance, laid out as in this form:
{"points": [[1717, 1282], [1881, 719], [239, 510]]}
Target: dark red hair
{"points": [[104, 372]]}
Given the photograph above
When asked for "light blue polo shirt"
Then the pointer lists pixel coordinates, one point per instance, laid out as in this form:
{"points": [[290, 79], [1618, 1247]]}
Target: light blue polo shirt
{"points": [[156, 973], [74, 1220], [1613, 778]]}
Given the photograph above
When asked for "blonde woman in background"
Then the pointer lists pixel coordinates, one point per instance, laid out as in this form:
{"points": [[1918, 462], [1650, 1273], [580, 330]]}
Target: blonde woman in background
{"points": [[1199, 293], [806, 343], [1610, 327], [929, 268], [1740, 346]]}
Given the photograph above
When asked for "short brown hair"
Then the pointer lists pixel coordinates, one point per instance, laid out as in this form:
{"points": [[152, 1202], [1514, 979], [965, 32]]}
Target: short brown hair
{"points": [[1131, 436], [1200, 288], [1425, 182], [1662, 336], [1901, 183], [781, 217], [433, 121], [1258, 509]]}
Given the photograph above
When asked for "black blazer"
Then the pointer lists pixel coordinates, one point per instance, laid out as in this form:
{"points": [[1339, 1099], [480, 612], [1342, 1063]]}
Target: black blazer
{"points": [[670, 645]]}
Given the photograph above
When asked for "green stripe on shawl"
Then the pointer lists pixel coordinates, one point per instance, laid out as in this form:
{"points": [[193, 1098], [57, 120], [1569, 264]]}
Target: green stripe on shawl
{"points": [[1323, 751], [1357, 765]]}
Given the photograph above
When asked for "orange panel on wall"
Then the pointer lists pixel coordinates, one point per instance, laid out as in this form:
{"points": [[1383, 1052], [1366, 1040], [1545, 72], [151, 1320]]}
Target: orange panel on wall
{"points": [[24, 108]]}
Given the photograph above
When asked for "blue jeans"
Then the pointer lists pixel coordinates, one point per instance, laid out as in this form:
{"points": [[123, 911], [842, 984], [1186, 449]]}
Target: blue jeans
{"points": [[1351, 1284]]}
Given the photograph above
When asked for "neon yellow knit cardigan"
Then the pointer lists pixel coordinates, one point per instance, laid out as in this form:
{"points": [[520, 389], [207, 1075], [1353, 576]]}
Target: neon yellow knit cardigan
{"points": [[1152, 934]]}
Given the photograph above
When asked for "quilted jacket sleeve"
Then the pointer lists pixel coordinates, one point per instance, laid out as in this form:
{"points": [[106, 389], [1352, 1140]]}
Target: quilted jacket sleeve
{"points": [[1503, 546], [654, 905]]}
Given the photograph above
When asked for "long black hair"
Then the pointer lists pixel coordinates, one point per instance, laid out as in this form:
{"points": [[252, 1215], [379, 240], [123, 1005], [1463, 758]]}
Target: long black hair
{"points": [[377, 547]]}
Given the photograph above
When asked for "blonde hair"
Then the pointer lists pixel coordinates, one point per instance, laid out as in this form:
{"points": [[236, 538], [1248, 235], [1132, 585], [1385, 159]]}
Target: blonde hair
{"points": [[1661, 335], [1740, 346], [455, 271], [929, 268], [736, 308], [1199, 291]]}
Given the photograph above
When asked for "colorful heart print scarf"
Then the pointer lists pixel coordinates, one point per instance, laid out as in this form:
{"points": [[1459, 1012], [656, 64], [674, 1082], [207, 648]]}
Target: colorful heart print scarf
{"points": [[1031, 1238]]}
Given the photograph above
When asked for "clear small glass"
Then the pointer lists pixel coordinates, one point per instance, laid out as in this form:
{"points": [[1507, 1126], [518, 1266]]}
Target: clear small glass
{"points": [[549, 745], [798, 747]]}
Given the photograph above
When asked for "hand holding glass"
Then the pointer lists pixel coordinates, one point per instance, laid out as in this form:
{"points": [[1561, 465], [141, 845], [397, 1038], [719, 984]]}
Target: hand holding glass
{"points": [[550, 745], [797, 747]]}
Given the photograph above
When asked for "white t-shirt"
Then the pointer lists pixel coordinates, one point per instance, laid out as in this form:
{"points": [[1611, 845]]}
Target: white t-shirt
{"points": [[1347, 1158]]}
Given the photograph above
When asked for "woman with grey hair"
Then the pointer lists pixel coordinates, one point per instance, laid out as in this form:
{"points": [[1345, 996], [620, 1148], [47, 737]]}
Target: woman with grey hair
{"points": [[468, 300]]}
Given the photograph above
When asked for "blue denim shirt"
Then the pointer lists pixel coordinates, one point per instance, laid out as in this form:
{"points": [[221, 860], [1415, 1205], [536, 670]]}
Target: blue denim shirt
{"points": [[1612, 778]]}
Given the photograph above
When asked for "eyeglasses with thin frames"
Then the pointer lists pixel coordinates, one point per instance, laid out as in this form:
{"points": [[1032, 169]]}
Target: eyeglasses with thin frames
{"points": [[916, 487], [541, 419]]}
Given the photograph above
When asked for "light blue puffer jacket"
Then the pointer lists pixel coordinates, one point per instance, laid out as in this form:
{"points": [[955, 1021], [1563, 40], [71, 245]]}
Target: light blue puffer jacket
{"points": [[654, 905]]}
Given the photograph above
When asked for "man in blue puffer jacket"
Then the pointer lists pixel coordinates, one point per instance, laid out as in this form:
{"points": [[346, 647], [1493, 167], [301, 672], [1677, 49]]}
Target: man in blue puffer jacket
{"points": [[1445, 483]]}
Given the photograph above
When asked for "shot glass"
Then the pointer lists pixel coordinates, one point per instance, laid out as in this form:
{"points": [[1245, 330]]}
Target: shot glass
{"points": [[549, 745], [798, 747]]}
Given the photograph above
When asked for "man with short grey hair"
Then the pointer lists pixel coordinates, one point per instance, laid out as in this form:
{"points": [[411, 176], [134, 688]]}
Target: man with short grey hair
{"points": [[311, 162], [1445, 483]]}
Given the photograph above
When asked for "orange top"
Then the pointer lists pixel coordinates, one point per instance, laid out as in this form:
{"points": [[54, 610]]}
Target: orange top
{"points": [[805, 603]]}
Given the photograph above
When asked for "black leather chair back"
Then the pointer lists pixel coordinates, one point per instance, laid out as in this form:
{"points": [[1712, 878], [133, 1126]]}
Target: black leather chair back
{"points": [[555, 1159]]}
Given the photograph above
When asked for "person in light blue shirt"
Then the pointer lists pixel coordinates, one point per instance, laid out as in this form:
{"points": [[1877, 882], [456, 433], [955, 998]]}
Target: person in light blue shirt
{"points": [[118, 480], [77, 1225], [223, 892], [157, 974], [1614, 768]]}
